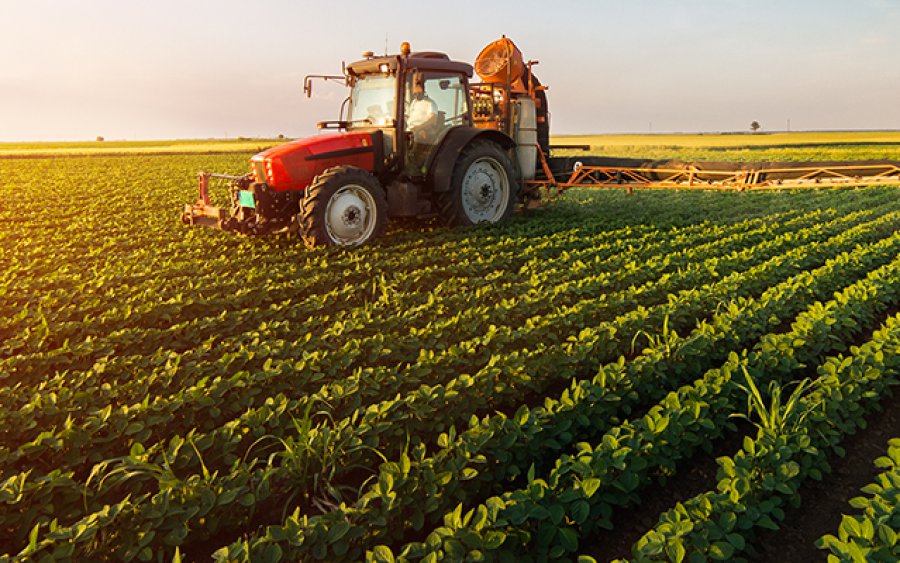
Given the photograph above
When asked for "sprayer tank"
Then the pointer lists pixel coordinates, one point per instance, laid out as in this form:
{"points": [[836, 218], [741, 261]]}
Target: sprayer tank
{"points": [[500, 61], [526, 136]]}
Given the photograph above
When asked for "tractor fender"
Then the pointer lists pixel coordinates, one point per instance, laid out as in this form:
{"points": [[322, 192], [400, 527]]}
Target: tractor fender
{"points": [[440, 170]]}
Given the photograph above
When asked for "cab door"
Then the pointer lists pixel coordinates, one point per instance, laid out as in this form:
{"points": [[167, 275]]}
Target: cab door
{"points": [[435, 102]]}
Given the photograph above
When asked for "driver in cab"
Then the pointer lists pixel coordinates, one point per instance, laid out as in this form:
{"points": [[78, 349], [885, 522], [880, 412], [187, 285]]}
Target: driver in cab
{"points": [[422, 115]]}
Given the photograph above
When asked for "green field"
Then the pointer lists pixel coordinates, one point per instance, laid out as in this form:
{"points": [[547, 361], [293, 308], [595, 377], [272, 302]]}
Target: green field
{"points": [[83, 148], [758, 147], [502, 392], [853, 145], [700, 140]]}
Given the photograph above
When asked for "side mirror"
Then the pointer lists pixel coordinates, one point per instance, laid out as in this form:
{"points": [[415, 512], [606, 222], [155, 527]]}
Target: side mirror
{"points": [[307, 81]]}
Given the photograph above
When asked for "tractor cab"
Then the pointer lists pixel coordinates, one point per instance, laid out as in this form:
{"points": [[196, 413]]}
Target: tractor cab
{"points": [[414, 99]]}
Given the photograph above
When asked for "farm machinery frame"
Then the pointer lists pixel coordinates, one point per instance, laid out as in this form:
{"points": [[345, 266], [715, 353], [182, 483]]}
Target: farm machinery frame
{"points": [[416, 138]]}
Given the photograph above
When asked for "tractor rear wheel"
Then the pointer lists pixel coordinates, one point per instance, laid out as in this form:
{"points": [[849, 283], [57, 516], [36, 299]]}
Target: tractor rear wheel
{"points": [[343, 206], [483, 187]]}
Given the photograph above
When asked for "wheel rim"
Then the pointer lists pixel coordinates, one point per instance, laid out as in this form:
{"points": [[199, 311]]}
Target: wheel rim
{"points": [[485, 191], [350, 215]]}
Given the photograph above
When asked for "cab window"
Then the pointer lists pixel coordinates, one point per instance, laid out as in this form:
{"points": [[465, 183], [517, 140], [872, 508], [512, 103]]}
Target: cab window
{"points": [[435, 102]]}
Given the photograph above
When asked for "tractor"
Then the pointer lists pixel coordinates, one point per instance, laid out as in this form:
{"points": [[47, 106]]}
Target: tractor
{"points": [[415, 139]]}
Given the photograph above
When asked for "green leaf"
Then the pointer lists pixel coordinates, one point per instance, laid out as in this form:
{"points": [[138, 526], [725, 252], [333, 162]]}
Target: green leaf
{"points": [[581, 510], [884, 462], [766, 521], [675, 550], [736, 540], [468, 473], [338, 531], [494, 539], [661, 424], [887, 535], [385, 482], [568, 538], [382, 554], [850, 526], [557, 513], [721, 551], [538, 512], [33, 537], [271, 553], [405, 464], [590, 486], [727, 465], [629, 481], [728, 521]]}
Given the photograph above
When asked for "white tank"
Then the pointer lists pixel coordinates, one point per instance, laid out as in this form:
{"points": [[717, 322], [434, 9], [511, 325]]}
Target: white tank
{"points": [[526, 137]]}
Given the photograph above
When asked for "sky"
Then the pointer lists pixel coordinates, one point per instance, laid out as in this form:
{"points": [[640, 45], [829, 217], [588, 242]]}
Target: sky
{"points": [[163, 69]]}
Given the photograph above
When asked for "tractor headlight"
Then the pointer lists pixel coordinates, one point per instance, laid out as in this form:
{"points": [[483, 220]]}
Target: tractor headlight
{"points": [[259, 169]]}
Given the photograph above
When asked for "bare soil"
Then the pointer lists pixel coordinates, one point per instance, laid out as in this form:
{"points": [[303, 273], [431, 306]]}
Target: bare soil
{"points": [[820, 513], [825, 501], [694, 476]]}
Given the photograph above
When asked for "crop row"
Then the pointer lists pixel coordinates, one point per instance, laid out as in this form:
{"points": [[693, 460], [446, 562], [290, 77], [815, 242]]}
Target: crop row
{"points": [[383, 386], [125, 421], [257, 290], [135, 462], [535, 293], [73, 494], [167, 387], [118, 287], [872, 534], [793, 442], [549, 515], [258, 300], [151, 272], [497, 449]]}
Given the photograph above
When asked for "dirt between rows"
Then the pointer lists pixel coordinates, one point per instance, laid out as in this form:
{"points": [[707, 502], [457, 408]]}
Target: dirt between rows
{"points": [[825, 501], [694, 477], [820, 512]]}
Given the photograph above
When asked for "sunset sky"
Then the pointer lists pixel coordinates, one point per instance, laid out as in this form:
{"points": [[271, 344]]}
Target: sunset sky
{"points": [[73, 70]]}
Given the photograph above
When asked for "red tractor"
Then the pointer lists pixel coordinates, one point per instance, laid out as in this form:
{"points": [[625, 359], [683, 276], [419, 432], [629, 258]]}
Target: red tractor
{"points": [[417, 139]]}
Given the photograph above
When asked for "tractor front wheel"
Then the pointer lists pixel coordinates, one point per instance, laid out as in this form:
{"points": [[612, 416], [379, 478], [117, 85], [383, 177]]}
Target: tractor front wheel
{"points": [[343, 206], [483, 187]]}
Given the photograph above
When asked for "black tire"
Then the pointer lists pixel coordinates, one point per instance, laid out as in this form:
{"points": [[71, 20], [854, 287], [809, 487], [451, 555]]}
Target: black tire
{"points": [[487, 163], [364, 212]]}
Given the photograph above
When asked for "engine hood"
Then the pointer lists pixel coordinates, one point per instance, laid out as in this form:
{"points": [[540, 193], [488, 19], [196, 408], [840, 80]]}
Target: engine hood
{"points": [[293, 166]]}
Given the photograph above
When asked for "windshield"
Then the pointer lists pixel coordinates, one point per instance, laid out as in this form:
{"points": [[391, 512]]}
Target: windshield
{"points": [[373, 101]]}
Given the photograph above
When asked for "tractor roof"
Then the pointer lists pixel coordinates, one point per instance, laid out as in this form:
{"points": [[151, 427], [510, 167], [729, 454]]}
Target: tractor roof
{"points": [[422, 60]]}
